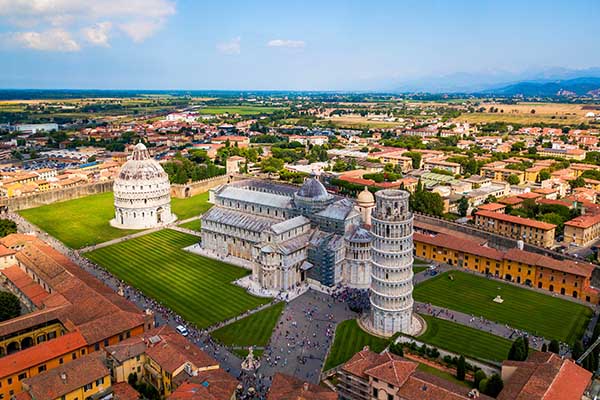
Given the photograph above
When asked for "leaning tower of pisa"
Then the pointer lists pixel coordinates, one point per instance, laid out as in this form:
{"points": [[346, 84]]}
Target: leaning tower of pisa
{"points": [[391, 269]]}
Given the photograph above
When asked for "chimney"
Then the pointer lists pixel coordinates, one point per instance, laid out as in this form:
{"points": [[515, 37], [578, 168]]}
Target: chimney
{"points": [[63, 377], [305, 387]]}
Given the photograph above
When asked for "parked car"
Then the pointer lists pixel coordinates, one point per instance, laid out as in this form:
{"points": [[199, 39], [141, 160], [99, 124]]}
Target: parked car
{"points": [[182, 330]]}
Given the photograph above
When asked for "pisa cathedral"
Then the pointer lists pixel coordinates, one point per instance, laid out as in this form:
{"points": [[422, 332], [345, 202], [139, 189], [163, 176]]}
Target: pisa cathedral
{"points": [[293, 235]]}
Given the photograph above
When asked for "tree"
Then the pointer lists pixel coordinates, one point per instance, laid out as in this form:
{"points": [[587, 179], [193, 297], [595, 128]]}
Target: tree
{"points": [[518, 351], [517, 147], [461, 368], [578, 182], [577, 350], [396, 348], [463, 206], [494, 385], [513, 179], [427, 202], [7, 227], [554, 346], [544, 175], [478, 377], [544, 347], [10, 306], [416, 158], [271, 164]]}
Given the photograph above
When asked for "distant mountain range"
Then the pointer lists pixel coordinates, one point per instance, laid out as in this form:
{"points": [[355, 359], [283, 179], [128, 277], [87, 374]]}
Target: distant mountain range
{"points": [[569, 87], [544, 82]]}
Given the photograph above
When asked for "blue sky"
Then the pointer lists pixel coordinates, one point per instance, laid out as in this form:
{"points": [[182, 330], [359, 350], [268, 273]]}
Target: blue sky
{"points": [[295, 45]]}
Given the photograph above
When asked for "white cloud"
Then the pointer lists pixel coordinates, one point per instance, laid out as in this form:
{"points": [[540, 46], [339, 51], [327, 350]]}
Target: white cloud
{"points": [[51, 40], [90, 21], [97, 34], [291, 44], [231, 47]]}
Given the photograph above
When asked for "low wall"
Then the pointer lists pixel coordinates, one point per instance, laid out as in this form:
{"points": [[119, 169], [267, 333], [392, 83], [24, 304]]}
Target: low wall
{"points": [[56, 195], [193, 188]]}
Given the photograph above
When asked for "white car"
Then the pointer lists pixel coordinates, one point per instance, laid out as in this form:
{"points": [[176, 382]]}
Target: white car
{"points": [[182, 330]]}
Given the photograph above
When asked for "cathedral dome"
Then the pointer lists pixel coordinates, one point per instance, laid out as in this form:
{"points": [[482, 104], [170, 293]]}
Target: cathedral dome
{"points": [[141, 166], [313, 189], [366, 197]]}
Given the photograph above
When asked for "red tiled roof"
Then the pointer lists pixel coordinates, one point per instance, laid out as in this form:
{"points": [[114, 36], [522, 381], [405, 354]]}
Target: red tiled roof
{"points": [[510, 200], [394, 372], [286, 387], [491, 207], [584, 221], [39, 354], [465, 246], [529, 195], [214, 384], [124, 391], [516, 220], [32, 290]]}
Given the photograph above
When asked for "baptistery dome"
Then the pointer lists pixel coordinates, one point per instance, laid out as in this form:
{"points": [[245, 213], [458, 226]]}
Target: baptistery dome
{"points": [[142, 193]]}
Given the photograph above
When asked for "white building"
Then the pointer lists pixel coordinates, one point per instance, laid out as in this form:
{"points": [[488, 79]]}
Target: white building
{"points": [[392, 259], [142, 193]]}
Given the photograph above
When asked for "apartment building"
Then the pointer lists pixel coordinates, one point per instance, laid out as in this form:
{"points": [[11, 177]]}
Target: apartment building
{"points": [[582, 230], [528, 230]]}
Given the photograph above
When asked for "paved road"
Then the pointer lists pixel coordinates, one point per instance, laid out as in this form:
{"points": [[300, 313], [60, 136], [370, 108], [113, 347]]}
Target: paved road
{"points": [[302, 338]]}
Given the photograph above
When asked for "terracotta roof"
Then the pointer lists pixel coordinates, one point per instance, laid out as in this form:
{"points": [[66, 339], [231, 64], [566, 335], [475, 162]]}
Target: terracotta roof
{"points": [[545, 376], [32, 290], [124, 391], [214, 384], [464, 245], [516, 220], [5, 251], [394, 371], [529, 195], [68, 377], [36, 355], [286, 387], [584, 221], [491, 207], [510, 200], [173, 350], [424, 386]]}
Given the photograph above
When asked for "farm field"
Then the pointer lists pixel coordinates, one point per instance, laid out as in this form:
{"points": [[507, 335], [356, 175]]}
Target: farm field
{"points": [[241, 110], [79, 222], [464, 340], [197, 288], [350, 339], [72, 223], [537, 313], [253, 330]]}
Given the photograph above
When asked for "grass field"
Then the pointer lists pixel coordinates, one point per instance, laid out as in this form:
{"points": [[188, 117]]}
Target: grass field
{"points": [[464, 340], [72, 223], [78, 223], [442, 374], [241, 110], [197, 288], [194, 225], [253, 330], [350, 339], [534, 312]]}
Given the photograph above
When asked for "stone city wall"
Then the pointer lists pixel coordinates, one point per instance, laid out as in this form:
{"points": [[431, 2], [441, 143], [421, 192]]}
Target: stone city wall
{"points": [[55, 195], [190, 189]]}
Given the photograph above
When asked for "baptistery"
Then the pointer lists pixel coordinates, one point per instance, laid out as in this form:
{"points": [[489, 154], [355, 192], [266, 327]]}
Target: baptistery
{"points": [[142, 193]]}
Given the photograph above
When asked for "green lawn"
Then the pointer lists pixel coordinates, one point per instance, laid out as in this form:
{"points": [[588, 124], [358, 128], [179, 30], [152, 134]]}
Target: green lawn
{"points": [[194, 225], [464, 340], [85, 221], [417, 269], [197, 288], [349, 340], [190, 206], [253, 330], [79, 222], [442, 374], [532, 311]]}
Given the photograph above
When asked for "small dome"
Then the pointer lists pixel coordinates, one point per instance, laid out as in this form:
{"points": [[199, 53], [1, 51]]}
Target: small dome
{"points": [[313, 189], [366, 197]]}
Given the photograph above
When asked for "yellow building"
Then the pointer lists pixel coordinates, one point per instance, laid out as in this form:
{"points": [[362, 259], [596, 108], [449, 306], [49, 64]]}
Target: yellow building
{"points": [[397, 158], [81, 379], [534, 270], [15, 368], [582, 230], [528, 230]]}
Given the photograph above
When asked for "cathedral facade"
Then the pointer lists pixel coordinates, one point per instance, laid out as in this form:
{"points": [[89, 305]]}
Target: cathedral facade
{"points": [[291, 235]]}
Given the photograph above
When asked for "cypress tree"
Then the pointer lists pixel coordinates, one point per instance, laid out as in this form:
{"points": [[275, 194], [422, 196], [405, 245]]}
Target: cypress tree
{"points": [[461, 368]]}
